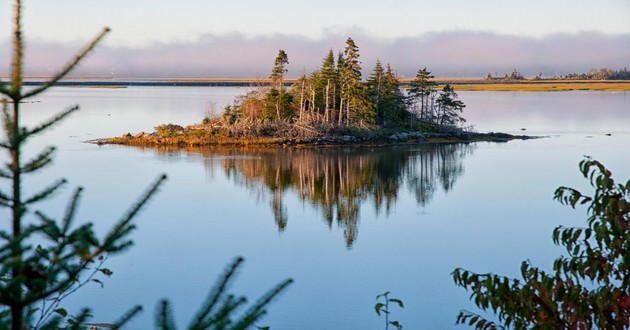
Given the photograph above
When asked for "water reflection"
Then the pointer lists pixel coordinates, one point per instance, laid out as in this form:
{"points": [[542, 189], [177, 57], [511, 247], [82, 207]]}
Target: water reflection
{"points": [[339, 181]]}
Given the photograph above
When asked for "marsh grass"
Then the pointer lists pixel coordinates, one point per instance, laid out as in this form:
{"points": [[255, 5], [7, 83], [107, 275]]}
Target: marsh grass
{"points": [[544, 86]]}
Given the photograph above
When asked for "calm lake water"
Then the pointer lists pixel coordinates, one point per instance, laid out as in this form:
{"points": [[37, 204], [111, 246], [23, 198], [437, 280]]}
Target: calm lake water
{"points": [[345, 223]]}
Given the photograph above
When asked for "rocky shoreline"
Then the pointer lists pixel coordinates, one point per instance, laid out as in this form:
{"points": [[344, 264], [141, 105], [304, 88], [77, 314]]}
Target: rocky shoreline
{"points": [[365, 138]]}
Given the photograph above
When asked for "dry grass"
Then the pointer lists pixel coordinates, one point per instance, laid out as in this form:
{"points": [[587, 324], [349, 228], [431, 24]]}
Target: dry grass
{"points": [[551, 86], [480, 84]]}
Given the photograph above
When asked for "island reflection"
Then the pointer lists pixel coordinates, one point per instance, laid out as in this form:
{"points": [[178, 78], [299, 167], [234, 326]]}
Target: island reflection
{"points": [[338, 181]]}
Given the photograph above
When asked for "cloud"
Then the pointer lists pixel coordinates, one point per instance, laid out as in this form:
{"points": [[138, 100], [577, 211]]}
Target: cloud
{"points": [[446, 54]]}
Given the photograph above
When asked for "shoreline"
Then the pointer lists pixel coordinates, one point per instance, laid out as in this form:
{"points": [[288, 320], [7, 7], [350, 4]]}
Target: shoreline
{"points": [[460, 84], [152, 140]]}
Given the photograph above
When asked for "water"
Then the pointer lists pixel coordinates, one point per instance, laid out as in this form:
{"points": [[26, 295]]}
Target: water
{"points": [[345, 223]]}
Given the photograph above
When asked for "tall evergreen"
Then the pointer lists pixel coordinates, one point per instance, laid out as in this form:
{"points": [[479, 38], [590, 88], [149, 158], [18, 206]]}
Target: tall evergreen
{"points": [[279, 69], [420, 91], [330, 78], [43, 260], [393, 102], [65, 250], [341, 63], [357, 108], [375, 90], [336, 95], [449, 107], [278, 93]]}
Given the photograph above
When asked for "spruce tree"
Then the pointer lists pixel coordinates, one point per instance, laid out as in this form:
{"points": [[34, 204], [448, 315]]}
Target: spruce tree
{"points": [[66, 250], [357, 107], [375, 89], [277, 95], [68, 255], [341, 63], [394, 107], [420, 92], [330, 77], [449, 107]]}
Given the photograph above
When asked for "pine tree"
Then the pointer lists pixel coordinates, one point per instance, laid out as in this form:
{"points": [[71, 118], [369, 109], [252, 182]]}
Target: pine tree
{"points": [[277, 94], [341, 63], [67, 251], [394, 107], [279, 69], [36, 279], [357, 107], [449, 107], [330, 78], [375, 90], [420, 92]]}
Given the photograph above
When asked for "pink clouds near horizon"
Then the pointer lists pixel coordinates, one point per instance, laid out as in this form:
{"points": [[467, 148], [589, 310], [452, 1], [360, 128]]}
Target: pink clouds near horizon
{"points": [[452, 54]]}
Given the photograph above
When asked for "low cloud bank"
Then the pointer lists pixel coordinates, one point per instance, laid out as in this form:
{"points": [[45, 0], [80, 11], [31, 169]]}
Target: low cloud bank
{"points": [[446, 54]]}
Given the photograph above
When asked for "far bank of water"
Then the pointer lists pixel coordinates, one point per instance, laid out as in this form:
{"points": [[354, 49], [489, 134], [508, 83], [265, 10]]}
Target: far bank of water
{"points": [[345, 223]]}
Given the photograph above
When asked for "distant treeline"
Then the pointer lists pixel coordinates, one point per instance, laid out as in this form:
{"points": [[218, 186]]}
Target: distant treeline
{"points": [[601, 74], [593, 74]]}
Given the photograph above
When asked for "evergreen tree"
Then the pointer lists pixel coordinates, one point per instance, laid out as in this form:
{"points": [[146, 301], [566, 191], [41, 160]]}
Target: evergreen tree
{"points": [[420, 91], [357, 107], [394, 107], [375, 90], [341, 63], [316, 92], [65, 251], [279, 69], [277, 94], [449, 107], [36, 279], [330, 78]]}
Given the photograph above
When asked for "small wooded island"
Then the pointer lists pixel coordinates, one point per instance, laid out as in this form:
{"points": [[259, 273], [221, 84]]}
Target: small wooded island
{"points": [[332, 105]]}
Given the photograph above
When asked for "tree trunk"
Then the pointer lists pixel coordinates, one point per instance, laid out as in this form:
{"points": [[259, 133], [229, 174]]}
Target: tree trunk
{"points": [[327, 103]]}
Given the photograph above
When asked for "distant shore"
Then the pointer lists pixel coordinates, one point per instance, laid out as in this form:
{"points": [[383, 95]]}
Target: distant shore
{"points": [[460, 84]]}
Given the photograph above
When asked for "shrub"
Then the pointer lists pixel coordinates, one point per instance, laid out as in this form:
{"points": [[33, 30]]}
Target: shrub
{"points": [[589, 288]]}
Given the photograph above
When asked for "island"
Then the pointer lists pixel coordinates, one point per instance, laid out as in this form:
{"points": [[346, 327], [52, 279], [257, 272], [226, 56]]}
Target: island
{"points": [[333, 105]]}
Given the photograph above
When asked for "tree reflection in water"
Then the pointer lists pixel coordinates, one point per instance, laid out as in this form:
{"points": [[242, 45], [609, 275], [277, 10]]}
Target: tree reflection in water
{"points": [[337, 181]]}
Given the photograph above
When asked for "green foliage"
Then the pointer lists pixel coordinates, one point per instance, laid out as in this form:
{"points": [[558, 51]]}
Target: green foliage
{"points": [[449, 107], [168, 130], [44, 259], [589, 288], [421, 91], [279, 68], [277, 98], [385, 96], [68, 255], [383, 307], [393, 108], [220, 307], [335, 97], [231, 113]]}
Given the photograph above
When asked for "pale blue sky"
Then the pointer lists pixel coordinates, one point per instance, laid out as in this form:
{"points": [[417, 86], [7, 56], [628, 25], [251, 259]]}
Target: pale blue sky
{"points": [[208, 38], [142, 22]]}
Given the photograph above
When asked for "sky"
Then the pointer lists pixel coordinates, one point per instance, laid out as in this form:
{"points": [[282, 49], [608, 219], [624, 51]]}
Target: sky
{"points": [[207, 38]]}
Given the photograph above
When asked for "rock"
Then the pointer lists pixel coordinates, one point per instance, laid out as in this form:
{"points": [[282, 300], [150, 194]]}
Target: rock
{"points": [[139, 135], [127, 135]]}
